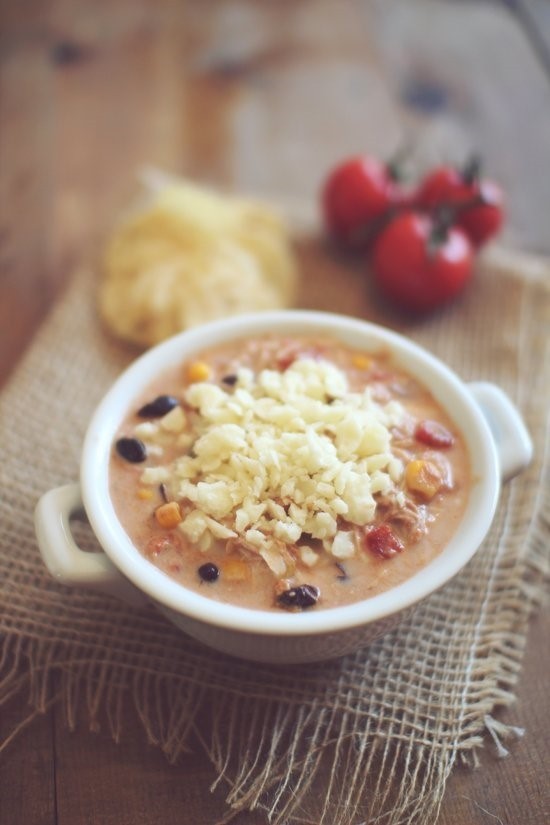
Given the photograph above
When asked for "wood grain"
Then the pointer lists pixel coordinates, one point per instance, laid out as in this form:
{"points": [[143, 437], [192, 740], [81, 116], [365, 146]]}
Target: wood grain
{"points": [[262, 97], [27, 766], [27, 282]]}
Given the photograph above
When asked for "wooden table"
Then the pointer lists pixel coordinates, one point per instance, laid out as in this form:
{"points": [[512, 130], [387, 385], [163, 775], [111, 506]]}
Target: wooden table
{"points": [[261, 97]]}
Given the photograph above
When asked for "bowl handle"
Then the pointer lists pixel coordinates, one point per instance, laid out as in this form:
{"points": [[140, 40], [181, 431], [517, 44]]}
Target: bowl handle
{"points": [[513, 442], [65, 560]]}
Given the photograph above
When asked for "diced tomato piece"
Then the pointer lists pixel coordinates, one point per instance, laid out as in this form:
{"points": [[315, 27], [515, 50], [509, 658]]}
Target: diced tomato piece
{"points": [[382, 541], [380, 374], [289, 353], [161, 543], [433, 434], [284, 361]]}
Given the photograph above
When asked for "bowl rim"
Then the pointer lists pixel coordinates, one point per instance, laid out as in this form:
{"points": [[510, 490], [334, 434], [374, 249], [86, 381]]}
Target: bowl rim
{"points": [[448, 389]]}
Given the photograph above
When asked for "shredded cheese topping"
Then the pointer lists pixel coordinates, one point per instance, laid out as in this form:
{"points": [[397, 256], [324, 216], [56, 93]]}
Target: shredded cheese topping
{"points": [[280, 455]]}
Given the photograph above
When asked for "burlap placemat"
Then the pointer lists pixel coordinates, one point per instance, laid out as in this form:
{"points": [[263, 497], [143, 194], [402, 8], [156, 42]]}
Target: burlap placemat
{"points": [[381, 728]]}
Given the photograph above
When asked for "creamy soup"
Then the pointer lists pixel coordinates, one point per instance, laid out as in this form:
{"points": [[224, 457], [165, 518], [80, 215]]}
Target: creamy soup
{"points": [[283, 473]]}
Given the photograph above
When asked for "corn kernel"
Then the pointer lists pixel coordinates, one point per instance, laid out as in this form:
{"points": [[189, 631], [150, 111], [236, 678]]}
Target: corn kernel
{"points": [[423, 478], [198, 371], [362, 362], [145, 494], [168, 515], [235, 569]]}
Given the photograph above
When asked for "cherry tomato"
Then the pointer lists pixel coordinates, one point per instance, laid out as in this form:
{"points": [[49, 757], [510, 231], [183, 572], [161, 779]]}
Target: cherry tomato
{"points": [[443, 185], [357, 192], [448, 186], [419, 265], [483, 222]]}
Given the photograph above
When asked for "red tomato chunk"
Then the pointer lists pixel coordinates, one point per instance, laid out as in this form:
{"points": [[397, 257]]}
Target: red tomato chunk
{"points": [[162, 543], [433, 434], [382, 541]]}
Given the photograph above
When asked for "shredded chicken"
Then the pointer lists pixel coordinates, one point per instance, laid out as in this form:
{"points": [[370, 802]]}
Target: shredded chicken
{"points": [[409, 518]]}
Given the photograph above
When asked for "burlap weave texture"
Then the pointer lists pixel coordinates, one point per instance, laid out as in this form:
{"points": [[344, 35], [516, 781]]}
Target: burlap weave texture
{"points": [[410, 705]]}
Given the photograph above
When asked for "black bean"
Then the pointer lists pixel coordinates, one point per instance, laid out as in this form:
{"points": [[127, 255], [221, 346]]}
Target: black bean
{"points": [[230, 380], [343, 576], [160, 406], [163, 492], [208, 572], [131, 449], [302, 596]]}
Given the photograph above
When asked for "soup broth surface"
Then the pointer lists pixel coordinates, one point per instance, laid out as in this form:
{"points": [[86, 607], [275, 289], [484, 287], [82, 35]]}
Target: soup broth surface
{"points": [[283, 473]]}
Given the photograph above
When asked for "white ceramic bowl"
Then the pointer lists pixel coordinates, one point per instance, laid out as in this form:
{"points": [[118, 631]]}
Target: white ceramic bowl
{"points": [[498, 444]]}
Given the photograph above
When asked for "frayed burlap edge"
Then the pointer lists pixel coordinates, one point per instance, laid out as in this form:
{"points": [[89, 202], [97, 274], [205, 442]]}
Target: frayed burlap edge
{"points": [[346, 749]]}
